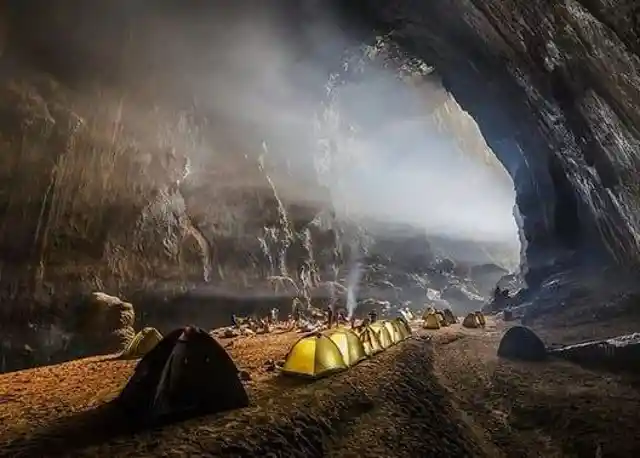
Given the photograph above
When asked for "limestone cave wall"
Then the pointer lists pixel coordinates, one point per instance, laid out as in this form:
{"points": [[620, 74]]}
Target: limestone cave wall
{"points": [[554, 88]]}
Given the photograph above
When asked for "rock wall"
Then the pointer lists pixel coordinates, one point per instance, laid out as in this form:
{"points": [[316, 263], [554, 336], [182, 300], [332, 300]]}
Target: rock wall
{"points": [[554, 89]]}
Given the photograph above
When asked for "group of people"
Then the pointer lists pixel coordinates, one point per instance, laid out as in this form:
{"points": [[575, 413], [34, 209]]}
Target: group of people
{"points": [[332, 317]]}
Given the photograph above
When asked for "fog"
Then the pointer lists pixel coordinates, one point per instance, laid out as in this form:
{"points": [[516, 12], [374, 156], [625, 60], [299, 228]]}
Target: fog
{"points": [[401, 149], [394, 153]]}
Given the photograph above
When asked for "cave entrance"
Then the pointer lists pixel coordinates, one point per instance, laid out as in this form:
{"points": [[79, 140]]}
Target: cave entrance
{"points": [[406, 154]]}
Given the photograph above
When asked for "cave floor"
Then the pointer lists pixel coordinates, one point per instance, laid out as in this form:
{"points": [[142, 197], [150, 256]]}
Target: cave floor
{"points": [[448, 395]]}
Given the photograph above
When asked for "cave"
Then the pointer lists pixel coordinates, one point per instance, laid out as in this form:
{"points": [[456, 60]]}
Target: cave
{"points": [[563, 129]]}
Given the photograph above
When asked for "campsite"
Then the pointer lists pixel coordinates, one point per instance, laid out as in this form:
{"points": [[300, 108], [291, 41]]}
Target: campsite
{"points": [[401, 387]]}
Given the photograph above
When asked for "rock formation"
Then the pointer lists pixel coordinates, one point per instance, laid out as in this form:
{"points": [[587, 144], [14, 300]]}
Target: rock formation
{"points": [[98, 194], [553, 88]]}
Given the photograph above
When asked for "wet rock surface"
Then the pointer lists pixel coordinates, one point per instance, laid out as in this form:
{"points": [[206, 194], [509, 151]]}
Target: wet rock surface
{"points": [[553, 89], [619, 353]]}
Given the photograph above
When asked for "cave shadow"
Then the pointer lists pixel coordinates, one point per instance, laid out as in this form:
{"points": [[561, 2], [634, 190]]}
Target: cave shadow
{"points": [[626, 369], [73, 432]]}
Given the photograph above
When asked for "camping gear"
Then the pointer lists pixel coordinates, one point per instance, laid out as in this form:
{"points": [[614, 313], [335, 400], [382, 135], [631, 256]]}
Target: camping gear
{"points": [[431, 321], [404, 327], [370, 341], [350, 346], [313, 356], [481, 319], [523, 344], [187, 373], [142, 343], [427, 312], [386, 340], [471, 321], [441, 319], [394, 332], [449, 316]]}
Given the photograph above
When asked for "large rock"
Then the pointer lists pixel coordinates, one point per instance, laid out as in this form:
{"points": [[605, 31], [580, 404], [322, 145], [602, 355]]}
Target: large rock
{"points": [[619, 353], [107, 324]]}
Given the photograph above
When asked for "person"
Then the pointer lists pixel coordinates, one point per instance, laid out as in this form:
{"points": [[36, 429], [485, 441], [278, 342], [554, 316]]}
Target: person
{"points": [[274, 315], [497, 293], [373, 316], [234, 320], [295, 310], [329, 317]]}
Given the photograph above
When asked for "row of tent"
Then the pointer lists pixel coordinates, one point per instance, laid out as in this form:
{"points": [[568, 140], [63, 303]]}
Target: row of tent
{"points": [[436, 319], [188, 373], [324, 353]]}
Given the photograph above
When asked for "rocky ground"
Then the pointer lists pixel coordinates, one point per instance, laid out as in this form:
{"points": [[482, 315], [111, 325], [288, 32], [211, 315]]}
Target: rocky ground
{"points": [[443, 393]]}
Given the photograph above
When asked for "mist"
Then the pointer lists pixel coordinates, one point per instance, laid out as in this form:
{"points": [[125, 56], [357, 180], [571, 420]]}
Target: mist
{"points": [[392, 161], [402, 150]]}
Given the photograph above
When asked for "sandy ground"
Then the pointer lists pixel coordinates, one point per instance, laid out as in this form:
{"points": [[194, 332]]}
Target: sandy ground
{"points": [[443, 395]]}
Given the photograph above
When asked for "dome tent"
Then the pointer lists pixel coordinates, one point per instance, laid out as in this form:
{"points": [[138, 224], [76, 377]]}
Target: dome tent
{"points": [[313, 356], [449, 316], [142, 343], [187, 373], [394, 332], [403, 327], [350, 346], [370, 341], [386, 340], [431, 321], [471, 321], [522, 343]]}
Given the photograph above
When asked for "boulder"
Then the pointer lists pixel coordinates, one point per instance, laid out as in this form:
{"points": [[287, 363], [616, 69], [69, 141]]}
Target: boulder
{"points": [[107, 324]]}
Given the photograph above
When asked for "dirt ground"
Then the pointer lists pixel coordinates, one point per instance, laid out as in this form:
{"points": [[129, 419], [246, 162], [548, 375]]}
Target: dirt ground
{"points": [[443, 393]]}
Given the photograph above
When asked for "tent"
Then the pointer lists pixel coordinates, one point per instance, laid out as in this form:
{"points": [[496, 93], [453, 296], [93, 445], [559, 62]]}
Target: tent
{"points": [[522, 343], [386, 340], [441, 319], [142, 343], [449, 316], [394, 332], [402, 330], [370, 341], [404, 327], [427, 312], [313, 356], [350, 346], [481, 319], [431, 321], [471, 321], [187, 373]]}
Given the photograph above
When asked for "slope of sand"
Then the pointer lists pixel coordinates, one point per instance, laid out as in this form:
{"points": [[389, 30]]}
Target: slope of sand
{"points": [[445, 395]]}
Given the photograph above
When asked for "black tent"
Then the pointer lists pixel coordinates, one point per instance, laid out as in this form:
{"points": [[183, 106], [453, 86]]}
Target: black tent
{"points": [[187, 373]]}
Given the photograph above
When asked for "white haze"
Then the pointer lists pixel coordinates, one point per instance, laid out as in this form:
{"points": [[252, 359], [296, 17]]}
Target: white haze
{"points": [[259, 81]]}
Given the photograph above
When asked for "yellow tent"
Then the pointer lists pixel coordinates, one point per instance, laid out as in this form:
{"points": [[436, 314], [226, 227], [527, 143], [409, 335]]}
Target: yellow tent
{"points": [[428, 311], [142, 343], [404, 327], [350, 346], [370, 341], [394, 332], [431, 321], [386, 340], [471, 321], [449, 316], [441, 319], [481, 319], [314, 356]]}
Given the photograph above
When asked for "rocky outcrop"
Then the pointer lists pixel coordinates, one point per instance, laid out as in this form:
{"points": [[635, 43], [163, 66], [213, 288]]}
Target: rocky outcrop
{"points": [[105, 325], [553, 87]]}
